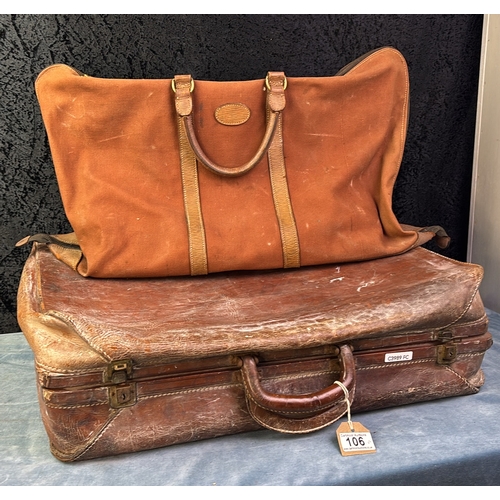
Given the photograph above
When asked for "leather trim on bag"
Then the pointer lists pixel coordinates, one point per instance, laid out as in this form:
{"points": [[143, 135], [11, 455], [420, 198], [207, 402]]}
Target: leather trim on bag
{"points": [[191, 193], [281, 198]]}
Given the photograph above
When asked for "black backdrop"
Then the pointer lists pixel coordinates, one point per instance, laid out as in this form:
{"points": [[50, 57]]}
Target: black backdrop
{"points": [[442, 51]]}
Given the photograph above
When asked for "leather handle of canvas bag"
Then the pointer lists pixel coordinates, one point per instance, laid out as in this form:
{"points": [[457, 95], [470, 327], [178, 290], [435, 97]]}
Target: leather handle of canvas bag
{"points": [[302, 412], [183, 86]]}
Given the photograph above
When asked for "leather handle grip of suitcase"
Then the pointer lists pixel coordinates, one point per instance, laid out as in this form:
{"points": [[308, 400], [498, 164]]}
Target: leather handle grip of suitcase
{"points": [[302, 412]]}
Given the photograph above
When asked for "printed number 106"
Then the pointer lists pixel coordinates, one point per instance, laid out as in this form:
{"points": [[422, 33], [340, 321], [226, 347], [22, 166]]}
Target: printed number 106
{"points": [[354, 441]]}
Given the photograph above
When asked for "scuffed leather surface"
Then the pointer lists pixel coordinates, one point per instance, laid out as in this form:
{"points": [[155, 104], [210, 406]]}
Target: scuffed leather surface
{"points": [[442, 53], [184, 337], [266, 457], [183, 318], [81, 425]]}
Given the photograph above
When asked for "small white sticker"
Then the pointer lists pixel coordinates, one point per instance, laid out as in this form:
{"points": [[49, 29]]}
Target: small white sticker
{"points": [[394, 357]]}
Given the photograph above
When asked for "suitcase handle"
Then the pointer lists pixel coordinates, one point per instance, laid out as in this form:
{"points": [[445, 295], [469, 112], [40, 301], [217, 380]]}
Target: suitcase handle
{"points": [[298, 413]]}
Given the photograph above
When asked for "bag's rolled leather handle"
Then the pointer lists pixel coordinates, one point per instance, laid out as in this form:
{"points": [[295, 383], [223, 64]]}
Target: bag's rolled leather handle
{"points": [[298, 413], [183, 87]]}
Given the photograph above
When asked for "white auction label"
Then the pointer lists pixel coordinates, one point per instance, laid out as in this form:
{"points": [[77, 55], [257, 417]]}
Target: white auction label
{"points": [[393, 357]]}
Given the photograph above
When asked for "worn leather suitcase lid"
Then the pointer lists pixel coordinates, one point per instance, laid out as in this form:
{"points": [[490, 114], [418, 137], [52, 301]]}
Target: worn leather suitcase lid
{"points": [[71, 321]]}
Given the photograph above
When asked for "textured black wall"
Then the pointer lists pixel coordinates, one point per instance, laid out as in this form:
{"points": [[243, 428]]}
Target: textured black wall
{"points": [[442, 53]]}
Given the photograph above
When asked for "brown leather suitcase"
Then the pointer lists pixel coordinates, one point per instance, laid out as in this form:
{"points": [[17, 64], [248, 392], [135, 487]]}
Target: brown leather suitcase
{"points": [[129, 365]]}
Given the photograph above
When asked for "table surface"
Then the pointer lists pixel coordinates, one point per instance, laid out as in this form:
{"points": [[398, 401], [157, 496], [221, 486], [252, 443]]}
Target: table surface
{"points": [[453, 441]]}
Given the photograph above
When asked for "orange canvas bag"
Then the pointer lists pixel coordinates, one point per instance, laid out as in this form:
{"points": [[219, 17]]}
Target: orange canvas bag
{"points": [[175, 176]]}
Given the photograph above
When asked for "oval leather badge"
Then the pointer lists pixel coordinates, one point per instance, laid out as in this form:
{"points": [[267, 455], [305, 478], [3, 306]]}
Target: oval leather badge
{"points": [[232, 114]]}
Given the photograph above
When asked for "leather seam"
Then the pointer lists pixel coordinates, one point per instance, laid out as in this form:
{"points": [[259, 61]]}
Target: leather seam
{"points": [[463, 379], [188, 391], [70, 322], [425, 360], [71, 406], [50, 370], [288, 431], [75, 456]]}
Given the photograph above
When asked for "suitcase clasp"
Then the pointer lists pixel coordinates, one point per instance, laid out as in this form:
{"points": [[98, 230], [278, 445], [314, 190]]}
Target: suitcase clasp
{"points": [[121, 394], [119, 371], [446, 353]]}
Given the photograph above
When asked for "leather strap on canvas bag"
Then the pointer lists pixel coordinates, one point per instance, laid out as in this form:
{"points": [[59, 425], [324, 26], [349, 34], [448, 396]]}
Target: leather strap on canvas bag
{"points": [[272, 143], [282, 203], [425, 234], [276, 85], [190, 188], [198, 259]]}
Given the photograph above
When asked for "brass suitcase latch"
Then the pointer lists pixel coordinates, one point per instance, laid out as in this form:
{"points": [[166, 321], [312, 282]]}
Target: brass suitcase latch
{"points": [[123, 392], [446, 353]]}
